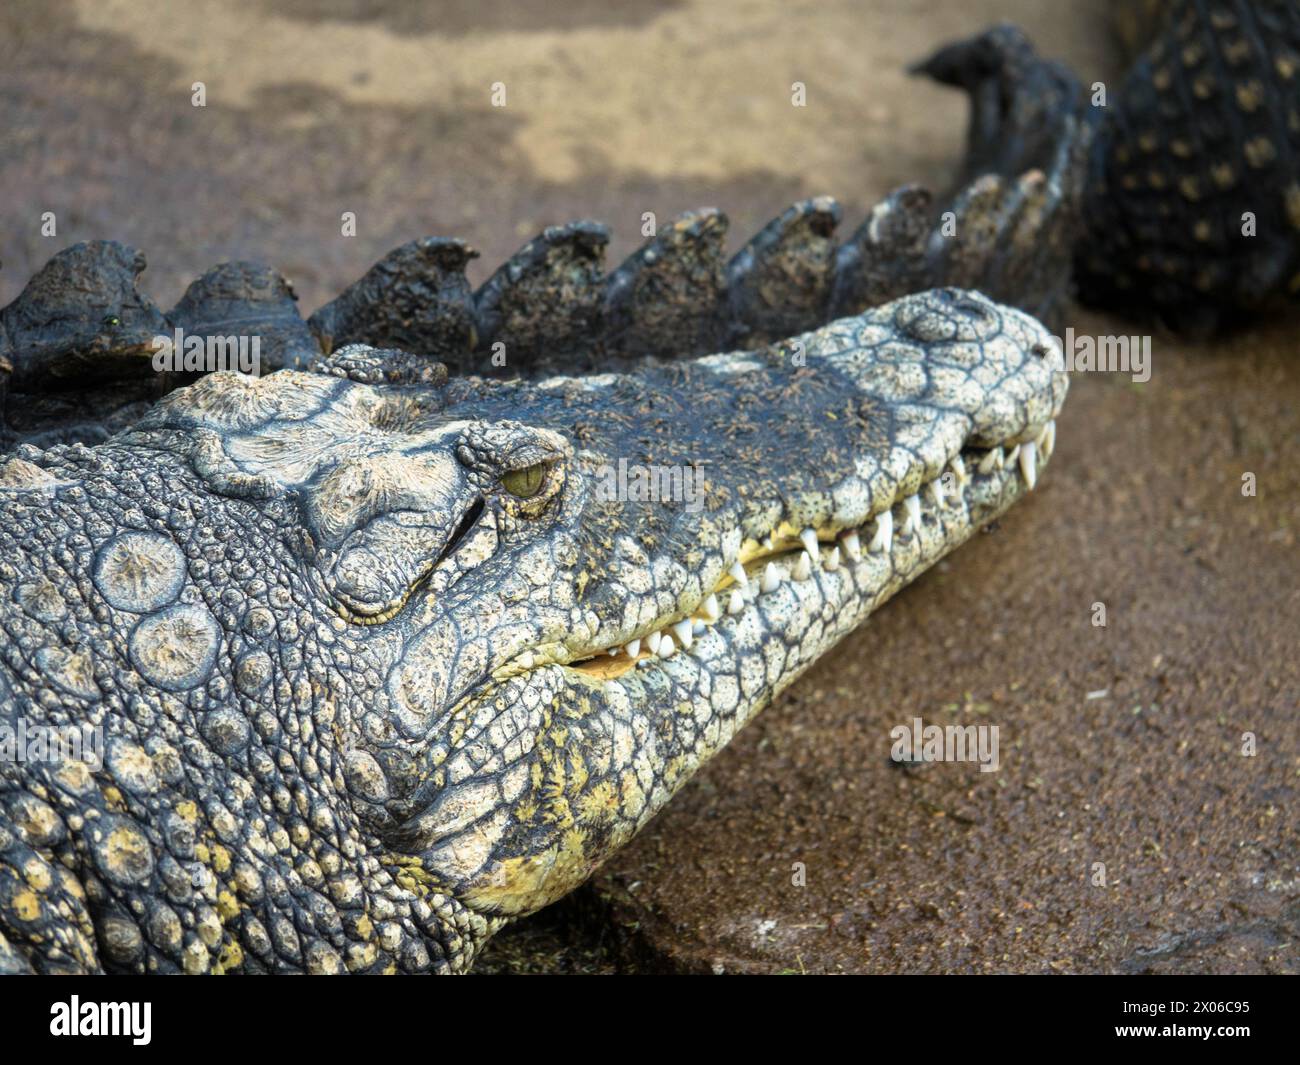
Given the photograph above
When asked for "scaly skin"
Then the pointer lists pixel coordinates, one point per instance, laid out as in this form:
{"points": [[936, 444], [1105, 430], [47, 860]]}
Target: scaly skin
{"points": [[353, 675], [1204, 129]]}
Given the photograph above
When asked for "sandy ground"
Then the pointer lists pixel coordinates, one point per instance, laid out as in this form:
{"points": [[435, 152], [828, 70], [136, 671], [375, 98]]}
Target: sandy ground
{"points": [[316, 107]]}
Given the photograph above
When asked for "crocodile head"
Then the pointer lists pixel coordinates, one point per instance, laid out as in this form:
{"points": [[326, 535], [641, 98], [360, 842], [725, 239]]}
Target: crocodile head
{"points": [[463, 639]]}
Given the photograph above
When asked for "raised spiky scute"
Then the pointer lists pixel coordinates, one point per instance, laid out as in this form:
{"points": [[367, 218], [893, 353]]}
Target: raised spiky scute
{"points": [[553, 308]]}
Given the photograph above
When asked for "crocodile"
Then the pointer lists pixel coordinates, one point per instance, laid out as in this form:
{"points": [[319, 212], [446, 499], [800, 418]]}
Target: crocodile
{"points": [[379, 668], [378, 659]]}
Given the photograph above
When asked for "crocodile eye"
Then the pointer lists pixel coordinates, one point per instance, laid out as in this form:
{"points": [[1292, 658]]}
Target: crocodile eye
{"points": [[524, 483], [112, 321]]}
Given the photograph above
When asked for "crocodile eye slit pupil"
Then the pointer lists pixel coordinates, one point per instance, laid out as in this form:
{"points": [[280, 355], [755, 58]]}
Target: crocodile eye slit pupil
{"points": [[524, 483]]}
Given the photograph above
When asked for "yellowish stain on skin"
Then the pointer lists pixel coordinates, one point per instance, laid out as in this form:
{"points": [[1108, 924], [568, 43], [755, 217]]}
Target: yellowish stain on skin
{"points": [[37, 875], [113, 799], [230, 959], [522, 885], [27, 905], [127, 849], [227, 906], [600, 803]]}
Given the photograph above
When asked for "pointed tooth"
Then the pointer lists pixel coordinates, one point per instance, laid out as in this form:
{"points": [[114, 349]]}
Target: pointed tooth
{"points": [[936, 490], [642, 663], [666, 647], [832, 562], [685, 633], [653, 641], [711, 610], [633, 648], [611, 651], [912, 504], [884, 537], [1013, 456], [736, 603], [771, 578], [959, 469], [809, 539], [1029, 463], [738, 574], [803, 567], [853, 546], [698, 627], [991, 461], [1047, 444]]}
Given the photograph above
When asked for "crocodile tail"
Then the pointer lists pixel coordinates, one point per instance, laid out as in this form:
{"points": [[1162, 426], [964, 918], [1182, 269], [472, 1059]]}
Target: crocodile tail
{"points": [[547, 296], [248, 299], [82, 318], [1193, 202], [553, 308], [415, 298]]}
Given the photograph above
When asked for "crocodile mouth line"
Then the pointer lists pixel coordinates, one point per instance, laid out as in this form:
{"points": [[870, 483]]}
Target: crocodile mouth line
{"points": [[789, 554]]}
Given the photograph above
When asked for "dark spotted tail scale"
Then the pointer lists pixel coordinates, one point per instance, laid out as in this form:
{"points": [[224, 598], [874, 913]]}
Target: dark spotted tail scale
{"points": [[1193, 205]]}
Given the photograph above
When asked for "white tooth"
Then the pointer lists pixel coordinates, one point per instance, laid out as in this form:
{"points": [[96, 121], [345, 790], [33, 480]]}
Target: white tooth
{"points": [[738, 574], [653, 641], [736, 603], [936, 490], [853, 546], [803, 568], [991, 461], [711, 609], [633, 648], [771, 577], [666, 647], [832, 562], [1029, 463], [684, 632], [698, 627], [1013, 456], [959, 468], [809, 539], [884, 537], [642, 663], [913, 506], [612, 651], [1047, 444]]}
